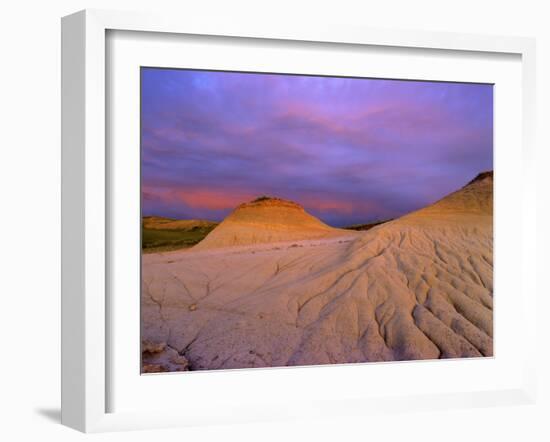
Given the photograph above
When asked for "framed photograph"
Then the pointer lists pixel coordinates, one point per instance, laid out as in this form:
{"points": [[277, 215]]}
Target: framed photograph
{"points": [[276, 222]]}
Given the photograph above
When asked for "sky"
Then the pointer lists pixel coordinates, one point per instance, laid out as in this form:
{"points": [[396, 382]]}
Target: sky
{"points": [[350, 150]]}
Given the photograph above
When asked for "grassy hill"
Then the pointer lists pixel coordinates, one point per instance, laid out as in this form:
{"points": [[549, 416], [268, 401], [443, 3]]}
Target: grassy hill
{"points": [[159, 234]]}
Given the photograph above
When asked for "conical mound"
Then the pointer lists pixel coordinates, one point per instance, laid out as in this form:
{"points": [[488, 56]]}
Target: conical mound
{"points": [[267, 220]]}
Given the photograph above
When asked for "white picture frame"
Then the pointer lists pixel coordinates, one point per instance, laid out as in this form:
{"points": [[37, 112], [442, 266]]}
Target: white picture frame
{"points": [[85, 233]]}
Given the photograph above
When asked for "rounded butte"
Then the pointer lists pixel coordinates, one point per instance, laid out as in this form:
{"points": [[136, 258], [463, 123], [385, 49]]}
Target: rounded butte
{"points": [[267, 220]]}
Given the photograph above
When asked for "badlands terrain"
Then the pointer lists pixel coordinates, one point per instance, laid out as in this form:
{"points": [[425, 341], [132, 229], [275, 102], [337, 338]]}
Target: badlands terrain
{"points": [[273, 286]]}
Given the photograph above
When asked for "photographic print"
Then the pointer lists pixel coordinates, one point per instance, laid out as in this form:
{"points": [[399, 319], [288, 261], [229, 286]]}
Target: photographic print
{"points": [[297, 220]]}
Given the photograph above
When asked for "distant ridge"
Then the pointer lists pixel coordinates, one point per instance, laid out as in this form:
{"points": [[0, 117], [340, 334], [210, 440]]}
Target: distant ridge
{"points": [[367, 226], [163, 223]]}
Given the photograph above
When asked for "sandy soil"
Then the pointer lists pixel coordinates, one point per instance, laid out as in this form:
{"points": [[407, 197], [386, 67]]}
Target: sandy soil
{"points": [[419, 287]]}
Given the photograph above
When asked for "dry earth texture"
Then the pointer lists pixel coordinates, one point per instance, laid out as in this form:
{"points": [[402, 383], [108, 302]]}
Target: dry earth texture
{"points": [[418, 287]]}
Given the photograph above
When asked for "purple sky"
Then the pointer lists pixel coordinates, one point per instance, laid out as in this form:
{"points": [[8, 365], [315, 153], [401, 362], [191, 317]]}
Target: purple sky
{"points": [[349, 150]]}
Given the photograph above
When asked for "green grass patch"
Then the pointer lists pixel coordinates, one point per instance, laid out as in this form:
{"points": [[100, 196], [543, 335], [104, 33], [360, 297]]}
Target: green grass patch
{"points": [[156, 240]]}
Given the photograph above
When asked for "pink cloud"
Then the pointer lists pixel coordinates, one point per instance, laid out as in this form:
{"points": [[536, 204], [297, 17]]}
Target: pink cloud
{"points": [[200, 198]]}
